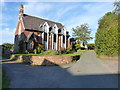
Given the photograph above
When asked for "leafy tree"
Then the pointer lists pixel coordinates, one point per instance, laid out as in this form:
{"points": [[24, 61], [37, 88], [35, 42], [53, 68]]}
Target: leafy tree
{"points": [[117, 6], [107, 37], [82, 32]]}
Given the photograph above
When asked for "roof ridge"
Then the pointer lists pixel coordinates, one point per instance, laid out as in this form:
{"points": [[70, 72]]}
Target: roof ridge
{"points": [[44, 19]]}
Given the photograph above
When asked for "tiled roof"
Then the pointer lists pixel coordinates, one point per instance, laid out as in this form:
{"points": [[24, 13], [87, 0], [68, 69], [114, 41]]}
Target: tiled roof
{"points": [[33, 23]]}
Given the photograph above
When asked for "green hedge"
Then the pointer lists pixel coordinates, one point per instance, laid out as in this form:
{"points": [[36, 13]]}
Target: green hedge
{"points": [[107, 38], [91, 46]]}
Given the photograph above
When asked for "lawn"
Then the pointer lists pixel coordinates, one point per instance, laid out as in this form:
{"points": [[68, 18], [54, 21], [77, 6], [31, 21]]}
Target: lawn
{"points": [[80, 52]]}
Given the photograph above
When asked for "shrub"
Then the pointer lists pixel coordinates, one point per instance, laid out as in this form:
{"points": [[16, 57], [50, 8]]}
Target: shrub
{"points": [[39, 49], [91, 46], [30, 50], [35, 51], [50, 52], [107, 36], [77, 46]]}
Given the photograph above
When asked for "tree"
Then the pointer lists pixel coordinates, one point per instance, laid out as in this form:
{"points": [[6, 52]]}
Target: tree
{"points": [[107, 37], [82, 32], [117, 6]]}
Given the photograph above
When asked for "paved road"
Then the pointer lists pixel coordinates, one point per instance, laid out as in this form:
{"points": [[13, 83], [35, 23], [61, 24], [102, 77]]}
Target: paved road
{"points": [[88, 72]]}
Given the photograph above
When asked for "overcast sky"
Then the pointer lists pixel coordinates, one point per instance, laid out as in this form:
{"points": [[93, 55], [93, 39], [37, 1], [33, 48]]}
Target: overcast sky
{"points": [[70, 14]]}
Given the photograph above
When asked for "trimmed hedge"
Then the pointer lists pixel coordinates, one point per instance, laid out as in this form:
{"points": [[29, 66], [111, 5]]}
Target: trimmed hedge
{"points": [[91, 46], [107, 37]]}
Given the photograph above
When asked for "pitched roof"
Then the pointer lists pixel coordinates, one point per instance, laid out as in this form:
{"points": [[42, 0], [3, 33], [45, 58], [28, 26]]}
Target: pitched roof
{"points": [[33, 23]]}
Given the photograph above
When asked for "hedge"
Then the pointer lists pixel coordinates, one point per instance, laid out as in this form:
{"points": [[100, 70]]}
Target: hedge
{"points": [[107, 37], [91, 46]]}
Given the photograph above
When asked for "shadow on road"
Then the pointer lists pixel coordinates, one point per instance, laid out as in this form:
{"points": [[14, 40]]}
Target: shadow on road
{"points": [[26, 76]]}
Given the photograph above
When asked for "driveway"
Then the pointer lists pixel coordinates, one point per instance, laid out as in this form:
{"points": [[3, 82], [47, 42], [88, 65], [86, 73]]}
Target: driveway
{"points": [[88, 72]]}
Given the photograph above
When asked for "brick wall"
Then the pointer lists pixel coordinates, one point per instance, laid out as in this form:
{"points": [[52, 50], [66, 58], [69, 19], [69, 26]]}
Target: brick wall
{"points": [[45, 60]]}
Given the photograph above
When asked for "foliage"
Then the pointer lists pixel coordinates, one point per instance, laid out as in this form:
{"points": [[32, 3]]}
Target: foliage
{"points": [[7, 47], [107, 36], [39, 49], [117, 7], [54, 53], [35, 51], [70, 49], [82, 32], [30, 50], [77, 45], [50, 52], [91, 46]]}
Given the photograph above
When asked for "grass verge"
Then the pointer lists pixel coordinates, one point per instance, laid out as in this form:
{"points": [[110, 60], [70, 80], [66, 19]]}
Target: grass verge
{"points": [[103, 57], [5, 80], [79, 52]]}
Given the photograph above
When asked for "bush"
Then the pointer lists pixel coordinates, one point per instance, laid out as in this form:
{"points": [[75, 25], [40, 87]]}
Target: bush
{"points": [[77, 46], [30, 50], [91, 46], [39, 49], [50, 52], [107, 36]]}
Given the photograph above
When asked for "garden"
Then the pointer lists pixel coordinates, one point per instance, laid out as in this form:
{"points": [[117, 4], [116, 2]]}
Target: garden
{"points": [[49, 57]]}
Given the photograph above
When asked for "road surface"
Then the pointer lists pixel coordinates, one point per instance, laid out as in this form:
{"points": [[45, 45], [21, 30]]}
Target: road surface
{"points": [[88, 72]]}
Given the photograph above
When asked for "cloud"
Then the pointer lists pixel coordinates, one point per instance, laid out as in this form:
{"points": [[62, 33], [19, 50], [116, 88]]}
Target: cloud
{"points": [[70, 14], [37, 9], [61, 12], [57, 0], [92, 13], [7, 35]]}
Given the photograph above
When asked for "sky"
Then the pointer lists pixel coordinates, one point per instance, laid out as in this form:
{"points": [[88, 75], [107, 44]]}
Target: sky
{"points": [[70, 14]]}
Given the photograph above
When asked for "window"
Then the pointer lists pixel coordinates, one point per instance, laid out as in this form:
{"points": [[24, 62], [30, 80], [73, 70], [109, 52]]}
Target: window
{"points": [[30, 46], [54, 37], [63, 38], [45, 36], [83, 44]]}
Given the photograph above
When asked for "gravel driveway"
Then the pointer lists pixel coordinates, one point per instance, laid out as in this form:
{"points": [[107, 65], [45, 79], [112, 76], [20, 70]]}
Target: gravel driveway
{"points": [[88, 72]]}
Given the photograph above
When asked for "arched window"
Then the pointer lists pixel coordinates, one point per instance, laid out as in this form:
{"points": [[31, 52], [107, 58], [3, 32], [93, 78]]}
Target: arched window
{"points": [[45, 36], [63, 38], [54, 37]]}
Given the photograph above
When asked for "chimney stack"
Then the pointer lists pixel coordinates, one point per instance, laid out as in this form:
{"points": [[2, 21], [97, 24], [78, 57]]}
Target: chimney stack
{"points": [[21, 11]]}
